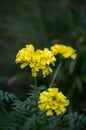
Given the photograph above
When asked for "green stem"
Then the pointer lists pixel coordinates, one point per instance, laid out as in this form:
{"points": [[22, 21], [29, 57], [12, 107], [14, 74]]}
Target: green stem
{"points": [[54, 77], [4, 110], [35, 83]]}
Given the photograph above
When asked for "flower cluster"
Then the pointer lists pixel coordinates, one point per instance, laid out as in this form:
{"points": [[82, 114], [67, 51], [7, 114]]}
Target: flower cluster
{"points": [[42, 59], [36, 59], [53, 102], [65, 51]]}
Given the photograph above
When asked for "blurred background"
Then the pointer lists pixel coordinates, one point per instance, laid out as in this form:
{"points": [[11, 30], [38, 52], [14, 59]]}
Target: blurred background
{"points": [[43, 23]]}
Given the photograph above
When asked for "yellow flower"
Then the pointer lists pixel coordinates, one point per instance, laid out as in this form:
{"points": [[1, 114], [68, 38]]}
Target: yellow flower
{"points": [[24, 55], [53, 102], [36, 59], [65, 51]]}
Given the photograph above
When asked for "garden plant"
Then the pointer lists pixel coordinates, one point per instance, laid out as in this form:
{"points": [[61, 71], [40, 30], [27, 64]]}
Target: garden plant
{"points": [[43, 65]]}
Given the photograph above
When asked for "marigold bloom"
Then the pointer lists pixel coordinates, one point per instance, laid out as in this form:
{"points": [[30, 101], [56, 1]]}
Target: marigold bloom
{"points": [[65, 51], [36, 59], [24, 56], [53, 102]]}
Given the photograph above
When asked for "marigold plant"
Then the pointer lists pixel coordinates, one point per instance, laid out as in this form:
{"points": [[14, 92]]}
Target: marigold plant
{"points": [[46, 107], [51, 101]]}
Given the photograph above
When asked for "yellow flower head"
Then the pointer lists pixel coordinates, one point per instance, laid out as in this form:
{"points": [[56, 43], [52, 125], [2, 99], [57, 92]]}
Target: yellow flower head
{"points": [[24, 55], [53, 102], [65, 51], [36, 59]]}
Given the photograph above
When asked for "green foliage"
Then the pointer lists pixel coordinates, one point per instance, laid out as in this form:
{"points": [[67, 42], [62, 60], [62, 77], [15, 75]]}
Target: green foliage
{"points": [[6, 96], [26, 115]]}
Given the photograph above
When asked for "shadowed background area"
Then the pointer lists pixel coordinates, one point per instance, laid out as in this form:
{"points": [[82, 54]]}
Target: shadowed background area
{"points": [[43, 23]]}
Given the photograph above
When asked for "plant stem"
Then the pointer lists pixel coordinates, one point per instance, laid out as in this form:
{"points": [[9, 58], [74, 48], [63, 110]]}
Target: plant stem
{"points": [[54, 77], [35, 83], [3, 109]]}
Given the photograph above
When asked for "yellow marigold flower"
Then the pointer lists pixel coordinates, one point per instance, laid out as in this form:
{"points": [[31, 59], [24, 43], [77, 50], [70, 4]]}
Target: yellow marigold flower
{"points": [[36, 59], [53, 102], [41, 60], [24, 55], [65, 51]]}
